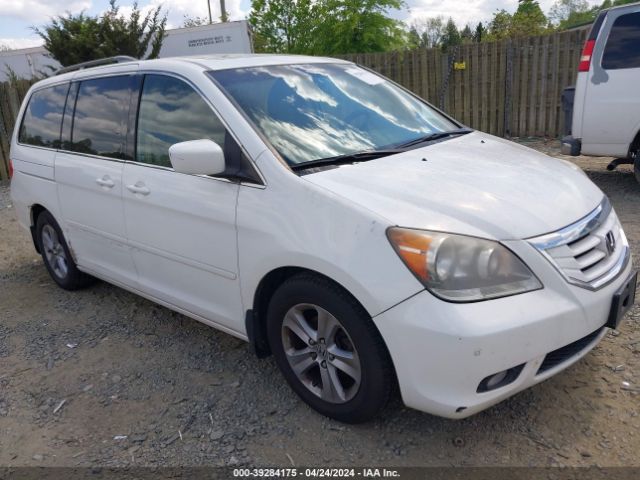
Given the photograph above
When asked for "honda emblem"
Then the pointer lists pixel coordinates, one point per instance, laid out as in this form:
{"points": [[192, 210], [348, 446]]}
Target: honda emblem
{"points": [[610, 242]]}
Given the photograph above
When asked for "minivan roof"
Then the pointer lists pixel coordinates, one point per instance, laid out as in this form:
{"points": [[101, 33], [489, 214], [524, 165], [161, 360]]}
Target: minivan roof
{"points": [[203, 62]]}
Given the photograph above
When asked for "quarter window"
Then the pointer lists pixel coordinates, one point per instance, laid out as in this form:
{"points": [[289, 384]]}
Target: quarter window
{"points": [[623, 45], [100, 117], [172, 112], [43, 117]]}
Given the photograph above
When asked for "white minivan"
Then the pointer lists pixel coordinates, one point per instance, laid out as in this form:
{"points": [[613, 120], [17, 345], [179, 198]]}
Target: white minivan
{"points": [[329, 217], [606, 108]]}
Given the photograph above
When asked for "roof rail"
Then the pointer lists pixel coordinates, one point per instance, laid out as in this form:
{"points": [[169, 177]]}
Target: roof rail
{"points": [[96, 63]]}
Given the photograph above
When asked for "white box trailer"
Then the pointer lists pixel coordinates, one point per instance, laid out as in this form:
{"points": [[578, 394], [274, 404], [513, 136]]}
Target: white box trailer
{"points": [[227, 37]]}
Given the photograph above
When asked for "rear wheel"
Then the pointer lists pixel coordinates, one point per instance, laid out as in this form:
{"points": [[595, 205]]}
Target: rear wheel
{"points": [[328, 349], [56, 255], [636, 165]]}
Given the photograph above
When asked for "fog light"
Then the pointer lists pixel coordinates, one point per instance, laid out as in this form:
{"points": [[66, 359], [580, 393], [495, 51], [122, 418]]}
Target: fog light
{"points": [[499, 379], [496, 379]]}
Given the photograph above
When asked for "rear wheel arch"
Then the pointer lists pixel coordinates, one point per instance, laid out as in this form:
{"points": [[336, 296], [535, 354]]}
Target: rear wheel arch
{"points": [[36, 210], [57, 255]]}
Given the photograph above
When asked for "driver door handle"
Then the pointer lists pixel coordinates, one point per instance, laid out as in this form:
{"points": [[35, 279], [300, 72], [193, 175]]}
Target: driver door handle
{"points": [[139, 188], [105, 182]]}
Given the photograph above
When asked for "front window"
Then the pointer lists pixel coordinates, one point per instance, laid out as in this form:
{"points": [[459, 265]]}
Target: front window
{"points": [[172, 112], [310, 112]]}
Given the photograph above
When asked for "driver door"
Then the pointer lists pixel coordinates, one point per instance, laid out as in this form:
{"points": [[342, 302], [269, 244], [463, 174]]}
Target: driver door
{"points": [[181, 227]]}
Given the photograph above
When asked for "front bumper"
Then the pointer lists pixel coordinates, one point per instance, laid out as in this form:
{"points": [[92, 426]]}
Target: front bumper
{"points": [[442, 351]]}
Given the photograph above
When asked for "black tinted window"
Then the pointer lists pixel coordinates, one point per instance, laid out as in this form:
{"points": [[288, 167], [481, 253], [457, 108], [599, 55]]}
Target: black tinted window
{"points": [[100, 117], [43, 117], [623, 45], [172, 112]]}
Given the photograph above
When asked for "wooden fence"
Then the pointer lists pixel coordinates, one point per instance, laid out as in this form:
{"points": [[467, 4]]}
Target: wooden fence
{"points": [[11, 95], [509, 88]]}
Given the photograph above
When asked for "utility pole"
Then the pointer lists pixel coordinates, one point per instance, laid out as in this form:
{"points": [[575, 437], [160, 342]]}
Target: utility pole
{"points": [[209, 5], [223, 15]]}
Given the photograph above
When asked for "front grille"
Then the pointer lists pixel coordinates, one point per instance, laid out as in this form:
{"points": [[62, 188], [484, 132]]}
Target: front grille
{"points": [[590, 252], [565, 353]]}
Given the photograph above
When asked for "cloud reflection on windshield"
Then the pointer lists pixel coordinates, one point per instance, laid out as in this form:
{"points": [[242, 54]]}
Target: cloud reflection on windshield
{"points": [[316, 111]]}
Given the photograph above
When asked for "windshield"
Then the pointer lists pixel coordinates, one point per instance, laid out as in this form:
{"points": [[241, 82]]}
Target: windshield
{"points": [[317, 111]]}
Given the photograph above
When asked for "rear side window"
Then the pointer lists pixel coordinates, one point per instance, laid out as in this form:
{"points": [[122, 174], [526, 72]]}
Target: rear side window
{"points": [[172, 112], [623, 45], [100, 118], [43, 117]]}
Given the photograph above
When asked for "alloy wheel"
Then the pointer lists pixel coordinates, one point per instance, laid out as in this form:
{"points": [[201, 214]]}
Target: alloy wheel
{"points": [[54, 252], [321, 353]]}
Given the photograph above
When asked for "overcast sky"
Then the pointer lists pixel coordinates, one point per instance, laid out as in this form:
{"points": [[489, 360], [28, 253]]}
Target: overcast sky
{"points": [[18, 16]]}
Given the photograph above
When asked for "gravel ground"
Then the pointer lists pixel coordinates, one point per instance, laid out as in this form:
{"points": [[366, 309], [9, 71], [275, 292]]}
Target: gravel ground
{"points": [[103, 377]]}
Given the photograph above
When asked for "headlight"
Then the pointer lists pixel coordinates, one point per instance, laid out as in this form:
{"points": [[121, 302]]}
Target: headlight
{"points": [[460, 268]]}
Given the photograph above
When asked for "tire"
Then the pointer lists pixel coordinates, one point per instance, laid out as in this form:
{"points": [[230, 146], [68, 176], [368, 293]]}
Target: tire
{"points": [[636, 166], [56, 255], [316, 308]]}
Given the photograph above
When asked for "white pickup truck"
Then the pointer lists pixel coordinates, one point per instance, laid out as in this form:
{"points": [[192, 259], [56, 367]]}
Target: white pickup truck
{"points": [[606, 110]]}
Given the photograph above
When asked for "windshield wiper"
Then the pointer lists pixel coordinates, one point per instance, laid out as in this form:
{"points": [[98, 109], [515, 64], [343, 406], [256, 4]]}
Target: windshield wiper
{"points": [[373, 154], [434, 136], [347, 158]]}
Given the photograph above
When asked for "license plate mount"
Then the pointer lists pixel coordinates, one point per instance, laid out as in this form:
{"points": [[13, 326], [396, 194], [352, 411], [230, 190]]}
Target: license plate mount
{"points": [[622, 302]]}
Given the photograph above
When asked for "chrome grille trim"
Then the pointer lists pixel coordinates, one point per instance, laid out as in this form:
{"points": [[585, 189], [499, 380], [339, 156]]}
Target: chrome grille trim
{"points": [[580, 252], [576, 230]]}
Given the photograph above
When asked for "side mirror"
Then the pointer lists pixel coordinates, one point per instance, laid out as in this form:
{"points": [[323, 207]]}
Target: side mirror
{"points": [[197, 157]]}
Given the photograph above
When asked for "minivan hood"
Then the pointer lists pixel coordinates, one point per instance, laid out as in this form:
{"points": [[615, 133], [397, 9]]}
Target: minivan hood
{"points": [[474, 184]]}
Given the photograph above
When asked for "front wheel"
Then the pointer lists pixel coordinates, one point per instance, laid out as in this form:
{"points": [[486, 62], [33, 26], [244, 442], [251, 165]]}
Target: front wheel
{"points": [[328, 349], [56, 255]]}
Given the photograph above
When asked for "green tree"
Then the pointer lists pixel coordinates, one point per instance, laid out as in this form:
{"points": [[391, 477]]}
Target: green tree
{"points": [[326, 27], [434, 31], [529, 19], [414, 40], [565, 14], [466, 34], [283, 26], [430, 30], [479, 33], [563, 10], [359, 26], [79, 38], [500, 25], [451, 36]]}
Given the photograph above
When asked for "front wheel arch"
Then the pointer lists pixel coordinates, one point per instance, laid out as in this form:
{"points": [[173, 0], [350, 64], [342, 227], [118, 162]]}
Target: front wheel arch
{"points": [[379, 379], [256, 318]]}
